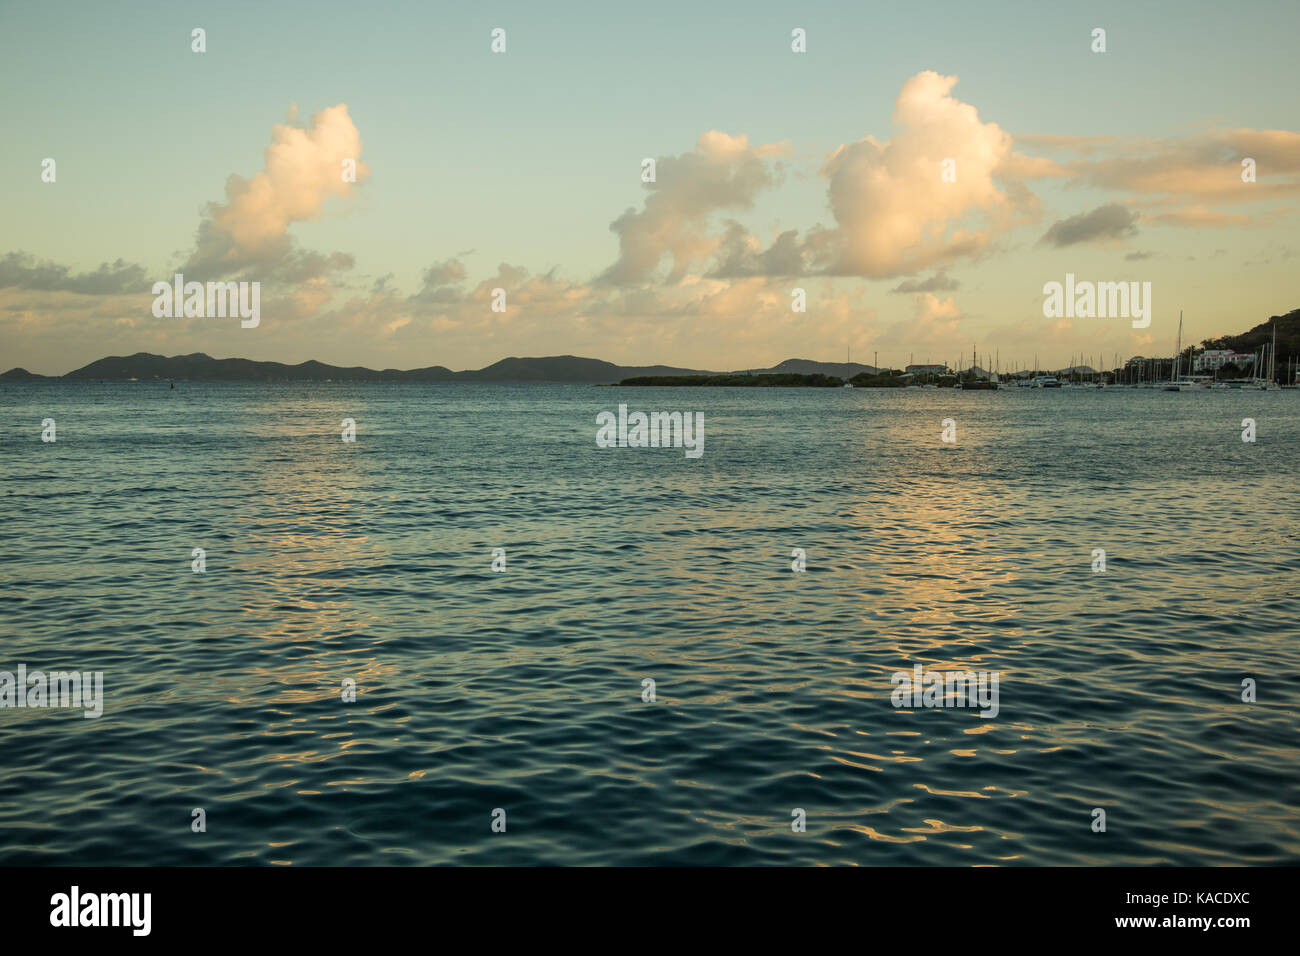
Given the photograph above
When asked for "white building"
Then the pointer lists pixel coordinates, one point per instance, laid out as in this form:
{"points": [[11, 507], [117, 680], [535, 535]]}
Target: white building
{"points": [[1213, 359]]}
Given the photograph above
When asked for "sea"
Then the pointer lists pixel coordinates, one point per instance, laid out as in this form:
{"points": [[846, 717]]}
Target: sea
{"points": [[474, 636]]}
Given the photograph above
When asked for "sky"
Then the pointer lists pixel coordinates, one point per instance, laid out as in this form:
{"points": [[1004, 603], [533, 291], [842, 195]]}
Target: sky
{"points": [[522, 171]]}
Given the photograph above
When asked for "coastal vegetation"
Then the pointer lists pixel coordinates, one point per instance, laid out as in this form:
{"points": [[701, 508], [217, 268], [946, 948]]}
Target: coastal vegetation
{"points": [[739, 381]]}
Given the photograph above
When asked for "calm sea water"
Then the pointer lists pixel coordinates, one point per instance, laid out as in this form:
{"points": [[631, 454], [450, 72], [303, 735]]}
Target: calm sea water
{"points": [[522, 690]]}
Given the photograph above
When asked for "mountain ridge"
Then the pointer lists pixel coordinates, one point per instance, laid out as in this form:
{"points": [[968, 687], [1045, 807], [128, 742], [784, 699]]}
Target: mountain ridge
{"points": [[199, 366]]}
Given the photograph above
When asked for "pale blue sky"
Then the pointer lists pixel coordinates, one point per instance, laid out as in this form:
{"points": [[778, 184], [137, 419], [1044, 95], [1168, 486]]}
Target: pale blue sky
{"points": [[526, 158]]}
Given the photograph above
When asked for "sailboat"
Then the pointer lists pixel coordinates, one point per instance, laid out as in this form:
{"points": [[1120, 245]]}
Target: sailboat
{"points": [[1178, 354], [1177, 382], [1266, 383], [1187, 381], [974, 383]]}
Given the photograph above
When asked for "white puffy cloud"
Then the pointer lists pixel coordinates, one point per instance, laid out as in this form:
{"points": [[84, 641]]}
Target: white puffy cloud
{"points": [[722, 172], [894, 211], [304, 168]]}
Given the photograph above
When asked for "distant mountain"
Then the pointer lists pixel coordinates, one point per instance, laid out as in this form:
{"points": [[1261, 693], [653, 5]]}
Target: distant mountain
{"points": [[564, 368], [21, 375], [197, 366], [145, 366]]}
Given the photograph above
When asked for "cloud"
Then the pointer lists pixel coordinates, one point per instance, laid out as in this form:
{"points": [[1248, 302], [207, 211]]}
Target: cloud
{"points": [[439, 281], [723, 172], [939, 282], [894, 211], [1111, 221], [308, 299], [934, 321], [691, 284], [21, 270], [1202, 167], [740, 255], [300, 266], [304, 167], [534, 295], [444, 273], [932, 328]]}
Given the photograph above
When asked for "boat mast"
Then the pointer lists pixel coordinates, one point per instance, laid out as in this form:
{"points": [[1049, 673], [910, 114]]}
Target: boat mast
{"points": [[1178, 349], [1272, 356]]}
